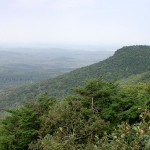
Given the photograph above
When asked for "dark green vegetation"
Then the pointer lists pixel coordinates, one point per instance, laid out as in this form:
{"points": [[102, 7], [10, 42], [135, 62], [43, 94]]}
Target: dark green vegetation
{"points": [[24, 65], [101, 115], [134, 79], [126, 62]]}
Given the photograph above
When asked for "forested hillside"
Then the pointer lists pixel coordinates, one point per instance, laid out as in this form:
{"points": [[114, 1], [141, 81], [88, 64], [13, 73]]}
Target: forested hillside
{"points": [[135, 79], [100, 116], [127, 61]]}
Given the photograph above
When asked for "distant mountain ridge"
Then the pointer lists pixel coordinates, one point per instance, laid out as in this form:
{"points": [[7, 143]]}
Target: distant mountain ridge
{"points": [[33, 65], [127, 61]]}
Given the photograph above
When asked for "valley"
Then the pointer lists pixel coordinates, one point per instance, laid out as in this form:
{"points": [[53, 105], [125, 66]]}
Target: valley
{"points": [[102, 105], [20, 66]]}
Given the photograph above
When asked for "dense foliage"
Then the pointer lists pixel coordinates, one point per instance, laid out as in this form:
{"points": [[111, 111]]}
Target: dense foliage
{"points": [[101, 115], [134, 79], [127, 61]]}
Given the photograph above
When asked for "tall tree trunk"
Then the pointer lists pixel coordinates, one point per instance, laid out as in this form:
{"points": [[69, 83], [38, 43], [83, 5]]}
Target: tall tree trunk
{"points": [[92, 104]]}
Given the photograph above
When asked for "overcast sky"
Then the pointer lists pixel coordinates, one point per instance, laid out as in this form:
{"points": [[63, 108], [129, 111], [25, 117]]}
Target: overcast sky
{"points": [[75, 22]]}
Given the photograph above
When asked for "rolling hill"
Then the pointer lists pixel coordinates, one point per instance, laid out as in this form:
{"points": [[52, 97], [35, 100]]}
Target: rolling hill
{"points": [[127, 61], [24, 65]]}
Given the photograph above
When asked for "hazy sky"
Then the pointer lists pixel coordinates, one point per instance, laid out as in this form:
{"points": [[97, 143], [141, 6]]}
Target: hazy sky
{"points": [[81, 22]]}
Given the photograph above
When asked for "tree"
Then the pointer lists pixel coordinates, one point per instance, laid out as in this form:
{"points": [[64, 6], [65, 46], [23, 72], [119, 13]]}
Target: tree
{"points": [[98, 94], [22, 126]]}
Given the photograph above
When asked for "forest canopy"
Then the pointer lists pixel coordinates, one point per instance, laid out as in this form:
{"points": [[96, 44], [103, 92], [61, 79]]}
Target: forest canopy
{"points": [[96, 117]]}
